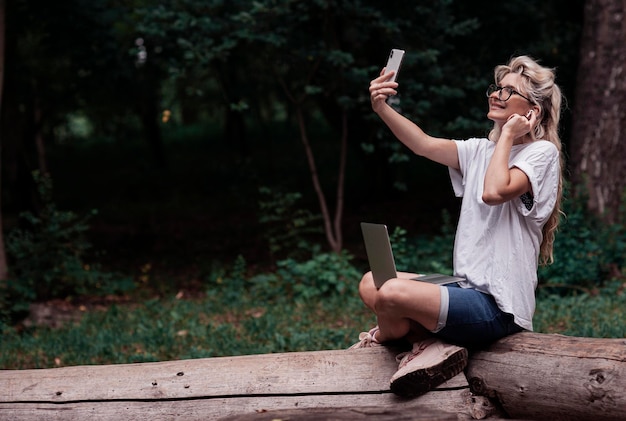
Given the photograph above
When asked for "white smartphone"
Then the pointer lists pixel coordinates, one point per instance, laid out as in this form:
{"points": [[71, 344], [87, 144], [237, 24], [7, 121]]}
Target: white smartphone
{"points": [[393, 63]]}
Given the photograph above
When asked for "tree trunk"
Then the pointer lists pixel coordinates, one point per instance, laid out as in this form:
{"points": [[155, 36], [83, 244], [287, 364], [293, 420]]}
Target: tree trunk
{"points": [[533, 376], [599, 114], [4, 269], [216, 388], [332, 226], [553, 377]]}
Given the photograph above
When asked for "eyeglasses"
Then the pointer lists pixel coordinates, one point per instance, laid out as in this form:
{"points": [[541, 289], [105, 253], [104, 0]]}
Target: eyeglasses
{"points": [[504, 92]]}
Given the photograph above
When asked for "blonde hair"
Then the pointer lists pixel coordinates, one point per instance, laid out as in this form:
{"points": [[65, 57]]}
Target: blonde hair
{"points": [[537, 83]]}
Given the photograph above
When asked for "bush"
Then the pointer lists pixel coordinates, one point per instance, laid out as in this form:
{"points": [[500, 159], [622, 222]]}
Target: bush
{"points": [[587, 252], [287, 227], [46, 258], [324, 275], [425, 254]]}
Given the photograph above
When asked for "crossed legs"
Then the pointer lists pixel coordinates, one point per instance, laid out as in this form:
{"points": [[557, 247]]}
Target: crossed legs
{"points": [[405, 308]]}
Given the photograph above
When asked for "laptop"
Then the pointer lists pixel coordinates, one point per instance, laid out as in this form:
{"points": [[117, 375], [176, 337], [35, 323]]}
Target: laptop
{"points": [[382, 262]]}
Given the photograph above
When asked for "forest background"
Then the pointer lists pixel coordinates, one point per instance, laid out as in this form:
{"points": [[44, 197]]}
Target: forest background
{"points": [[223, 153]]}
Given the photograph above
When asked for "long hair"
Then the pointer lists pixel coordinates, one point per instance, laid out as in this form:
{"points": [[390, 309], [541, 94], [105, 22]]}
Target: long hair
{"points": [[538, 83]]}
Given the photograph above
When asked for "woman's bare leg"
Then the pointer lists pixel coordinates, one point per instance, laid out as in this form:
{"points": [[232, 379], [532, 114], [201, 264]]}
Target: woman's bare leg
{"points": [[402, 306]]}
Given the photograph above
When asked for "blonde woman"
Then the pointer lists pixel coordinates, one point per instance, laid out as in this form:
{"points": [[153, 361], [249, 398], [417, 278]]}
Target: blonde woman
{"points": [[510, 183]]}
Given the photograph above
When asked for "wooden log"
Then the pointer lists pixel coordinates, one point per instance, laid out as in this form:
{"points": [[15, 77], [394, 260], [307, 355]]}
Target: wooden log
{"points": [[532, 376], [211, 388], [349, 414], [553, 377]]}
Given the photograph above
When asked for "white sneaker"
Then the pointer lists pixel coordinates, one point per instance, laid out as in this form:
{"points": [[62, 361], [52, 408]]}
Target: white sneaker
{"points": [[366, 339], [430, 363]]}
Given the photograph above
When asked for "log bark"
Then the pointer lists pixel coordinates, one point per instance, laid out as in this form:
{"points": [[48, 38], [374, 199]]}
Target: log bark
{"points": [[553, 377], [531, 376], [212, 388]]}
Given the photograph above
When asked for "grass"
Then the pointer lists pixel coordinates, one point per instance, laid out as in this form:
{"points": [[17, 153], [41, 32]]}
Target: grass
{"points": [[174, 328], [223, 323], [599, 313]]}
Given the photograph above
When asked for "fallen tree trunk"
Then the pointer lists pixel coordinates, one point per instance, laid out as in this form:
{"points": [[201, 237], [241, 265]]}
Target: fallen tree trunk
{"points": [[533, 376], [553, 377], [213, 388]]}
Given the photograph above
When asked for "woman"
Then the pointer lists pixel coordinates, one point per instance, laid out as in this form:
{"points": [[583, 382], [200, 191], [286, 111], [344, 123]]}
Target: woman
{"points": [[510, 183]]}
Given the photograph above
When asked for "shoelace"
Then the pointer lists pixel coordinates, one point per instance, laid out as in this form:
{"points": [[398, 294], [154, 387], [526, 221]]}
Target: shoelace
{"points": [[366, 339], [404, 357]]}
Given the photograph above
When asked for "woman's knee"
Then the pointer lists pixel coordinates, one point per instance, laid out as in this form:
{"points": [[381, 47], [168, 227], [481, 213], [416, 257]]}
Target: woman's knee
{"points": [[390, 294], [408, 297]]}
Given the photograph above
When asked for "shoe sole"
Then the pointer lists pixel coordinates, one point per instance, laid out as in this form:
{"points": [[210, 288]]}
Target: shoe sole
{"points": [[421, 381]]}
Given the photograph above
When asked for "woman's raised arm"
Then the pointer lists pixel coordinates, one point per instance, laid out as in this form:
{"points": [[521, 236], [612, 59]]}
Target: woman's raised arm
{"points": [[440, 150]]}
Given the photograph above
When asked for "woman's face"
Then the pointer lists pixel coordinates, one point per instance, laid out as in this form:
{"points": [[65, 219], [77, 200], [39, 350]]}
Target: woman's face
{"points": [[500, 111]]}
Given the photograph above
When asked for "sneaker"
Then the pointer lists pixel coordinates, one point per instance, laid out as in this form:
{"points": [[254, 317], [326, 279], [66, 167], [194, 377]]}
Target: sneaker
{"points": [[430, 363], [366, 339]]}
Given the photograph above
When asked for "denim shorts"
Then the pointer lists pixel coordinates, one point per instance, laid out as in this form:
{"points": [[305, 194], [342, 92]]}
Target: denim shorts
{"points": [[474, 318]]}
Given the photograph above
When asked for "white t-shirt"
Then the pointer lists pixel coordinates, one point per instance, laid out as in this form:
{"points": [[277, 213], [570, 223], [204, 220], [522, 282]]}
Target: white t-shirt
{"points": [[497, 247]]}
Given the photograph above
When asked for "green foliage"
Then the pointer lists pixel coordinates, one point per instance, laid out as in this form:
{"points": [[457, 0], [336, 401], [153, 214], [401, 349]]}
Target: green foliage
{"points": [[323, 275], [586, 251], [599, 314], [46, 257], [287, 227], [425, 254]]}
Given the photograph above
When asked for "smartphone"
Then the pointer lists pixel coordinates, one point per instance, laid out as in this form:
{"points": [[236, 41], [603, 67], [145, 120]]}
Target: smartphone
{"points": [[393, 63]]}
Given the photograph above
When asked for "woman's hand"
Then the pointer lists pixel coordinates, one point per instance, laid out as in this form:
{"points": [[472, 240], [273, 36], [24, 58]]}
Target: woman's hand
{"points": [[521, 125], [380, 89], [502, 183]]}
